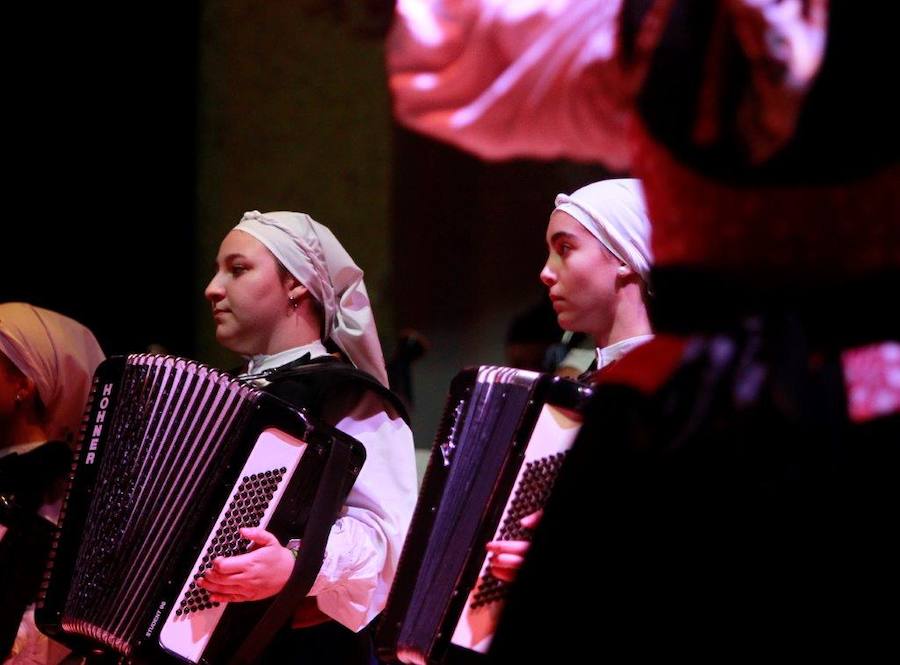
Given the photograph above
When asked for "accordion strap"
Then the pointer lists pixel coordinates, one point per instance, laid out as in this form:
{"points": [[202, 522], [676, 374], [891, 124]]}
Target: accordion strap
{"points": [[324, 510], [332, 376]]}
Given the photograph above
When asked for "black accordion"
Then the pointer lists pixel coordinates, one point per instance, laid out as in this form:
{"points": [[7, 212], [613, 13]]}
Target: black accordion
{"points": [[502, 439], [174, 459]]}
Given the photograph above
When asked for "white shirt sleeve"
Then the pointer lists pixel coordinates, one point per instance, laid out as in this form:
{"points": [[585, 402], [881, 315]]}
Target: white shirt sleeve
{"points": [[365, 542], [511, 78]]}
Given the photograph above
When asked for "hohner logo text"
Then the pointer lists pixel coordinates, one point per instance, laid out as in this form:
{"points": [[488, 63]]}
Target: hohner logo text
{"points": [[99, 419]]}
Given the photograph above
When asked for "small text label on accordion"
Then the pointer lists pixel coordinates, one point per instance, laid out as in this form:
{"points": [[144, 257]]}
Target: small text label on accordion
{"points": [[156, 617], [98, 423]]}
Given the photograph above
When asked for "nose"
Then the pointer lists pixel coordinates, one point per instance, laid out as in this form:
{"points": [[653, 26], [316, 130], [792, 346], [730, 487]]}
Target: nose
{"points": [[214, 291], [548, 277]]}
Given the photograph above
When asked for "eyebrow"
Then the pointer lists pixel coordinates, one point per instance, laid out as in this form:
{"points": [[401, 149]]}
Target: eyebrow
{"points": [[229, 258], [560, 235]]}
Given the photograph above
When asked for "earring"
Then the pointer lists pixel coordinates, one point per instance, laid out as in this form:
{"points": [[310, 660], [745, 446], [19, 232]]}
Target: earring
{"points": [[293, 302], [20, 397]]}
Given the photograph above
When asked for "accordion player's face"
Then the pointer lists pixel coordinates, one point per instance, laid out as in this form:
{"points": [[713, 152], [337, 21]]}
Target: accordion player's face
{"points": [[581, 276], [249, 296]]}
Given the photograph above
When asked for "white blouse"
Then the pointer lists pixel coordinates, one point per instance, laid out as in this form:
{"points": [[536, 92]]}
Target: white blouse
{"points": [[364, 546]]}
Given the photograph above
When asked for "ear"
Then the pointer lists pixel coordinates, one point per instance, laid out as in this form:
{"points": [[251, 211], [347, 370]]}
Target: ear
{"points": [[25, 389], [294, 288], [297, 290], [624, 270]]}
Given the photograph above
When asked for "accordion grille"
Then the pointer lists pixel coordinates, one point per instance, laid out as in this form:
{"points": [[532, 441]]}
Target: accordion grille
{"points": [[174, 419]]}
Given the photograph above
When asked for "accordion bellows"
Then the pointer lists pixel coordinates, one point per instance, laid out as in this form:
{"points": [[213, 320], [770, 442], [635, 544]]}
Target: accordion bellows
{"points": [[174, 459], [501, 441]]}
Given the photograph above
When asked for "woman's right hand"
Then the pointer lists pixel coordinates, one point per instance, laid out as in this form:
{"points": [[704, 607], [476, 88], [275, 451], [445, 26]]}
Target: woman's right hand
{"points": [[507, 556]]}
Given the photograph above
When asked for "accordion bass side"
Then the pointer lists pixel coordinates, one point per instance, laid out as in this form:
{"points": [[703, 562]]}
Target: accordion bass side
{"points": [[502, 438], [173, 460]]}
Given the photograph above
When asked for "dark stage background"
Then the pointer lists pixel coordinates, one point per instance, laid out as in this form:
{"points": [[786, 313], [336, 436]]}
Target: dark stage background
{"points": [[100, 214], [138, 136]]}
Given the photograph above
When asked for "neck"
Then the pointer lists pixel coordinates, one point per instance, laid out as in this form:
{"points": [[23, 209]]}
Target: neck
{"points": [[284, 342], [630, 318], [23, 429], [626, 329], [301, 326]]}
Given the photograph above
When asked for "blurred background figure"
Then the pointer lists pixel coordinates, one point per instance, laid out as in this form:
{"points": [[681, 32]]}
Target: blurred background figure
{"points": [[47, 363], [411, 346], [509, 79], [531, 338]]}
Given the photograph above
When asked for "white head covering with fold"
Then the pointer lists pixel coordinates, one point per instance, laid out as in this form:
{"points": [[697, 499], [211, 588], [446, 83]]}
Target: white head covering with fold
{"points": [[615, 213], [58, 354], [312, 254]]}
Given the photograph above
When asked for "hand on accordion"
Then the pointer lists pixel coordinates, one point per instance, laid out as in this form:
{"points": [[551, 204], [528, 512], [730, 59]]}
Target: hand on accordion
{"points": [[258, 574], [507, 556]]}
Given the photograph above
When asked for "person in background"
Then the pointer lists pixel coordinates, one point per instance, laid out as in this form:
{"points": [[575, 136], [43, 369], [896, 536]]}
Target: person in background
{"points": [[47, 362], [531, 338]]}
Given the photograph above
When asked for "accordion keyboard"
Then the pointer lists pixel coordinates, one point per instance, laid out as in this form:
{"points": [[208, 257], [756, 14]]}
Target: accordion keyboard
{"points": [[530, 496]]}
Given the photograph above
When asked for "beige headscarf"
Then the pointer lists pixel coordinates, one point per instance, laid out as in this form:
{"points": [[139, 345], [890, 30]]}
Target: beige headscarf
{"points": [[312, 254], [58, 354], [615, 213]]}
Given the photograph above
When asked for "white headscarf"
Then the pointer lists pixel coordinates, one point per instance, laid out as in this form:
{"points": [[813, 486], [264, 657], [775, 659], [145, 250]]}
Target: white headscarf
{"points": [[312, 254], [615, 213], [58, 354]]}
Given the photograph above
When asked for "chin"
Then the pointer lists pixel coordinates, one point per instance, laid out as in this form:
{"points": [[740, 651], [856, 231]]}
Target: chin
{"points": [[566, 323], [228, 342]]}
